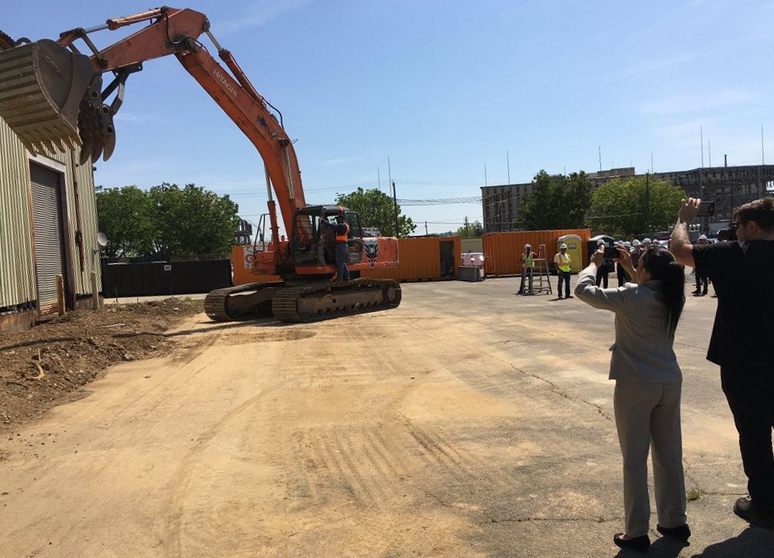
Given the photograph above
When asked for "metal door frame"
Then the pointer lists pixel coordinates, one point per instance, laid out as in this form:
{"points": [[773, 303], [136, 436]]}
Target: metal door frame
{"points": [[65, 233]]}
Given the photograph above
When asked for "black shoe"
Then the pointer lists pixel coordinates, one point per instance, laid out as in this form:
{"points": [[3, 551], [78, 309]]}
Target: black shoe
{"points": [[681, 533], [748, 510], [560, 297], [697, 292], [640, 544]]}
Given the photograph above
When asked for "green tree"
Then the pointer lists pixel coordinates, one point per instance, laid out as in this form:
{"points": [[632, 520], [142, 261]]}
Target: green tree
{"points": [[124, 217], [191, 221], [634, 205], [471, 230], [555, 202], [166, 222], [376, 209]]}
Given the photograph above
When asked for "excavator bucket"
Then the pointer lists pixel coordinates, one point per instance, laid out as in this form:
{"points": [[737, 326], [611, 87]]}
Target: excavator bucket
{"points": [[41, 88]]}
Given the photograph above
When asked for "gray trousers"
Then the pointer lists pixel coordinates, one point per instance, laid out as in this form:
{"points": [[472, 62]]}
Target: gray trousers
{"points": [[645, 413]]}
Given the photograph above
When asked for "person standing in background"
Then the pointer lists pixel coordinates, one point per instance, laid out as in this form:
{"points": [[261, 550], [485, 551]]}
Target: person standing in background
{"points": [[702, 281], [623, 277], [563, 263], [341, 228], [603, 270], [527, 265]]}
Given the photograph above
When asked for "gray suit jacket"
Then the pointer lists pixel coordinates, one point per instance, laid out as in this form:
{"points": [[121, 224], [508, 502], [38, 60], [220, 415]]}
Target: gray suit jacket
{"points": [[643, 350]]}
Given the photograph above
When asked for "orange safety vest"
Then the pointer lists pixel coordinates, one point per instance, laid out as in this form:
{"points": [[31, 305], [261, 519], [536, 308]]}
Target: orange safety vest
{"points": [[345, 236]]}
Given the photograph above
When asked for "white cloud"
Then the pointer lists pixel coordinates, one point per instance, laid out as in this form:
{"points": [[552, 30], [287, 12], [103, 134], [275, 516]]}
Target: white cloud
{"points": [[257, 16]]}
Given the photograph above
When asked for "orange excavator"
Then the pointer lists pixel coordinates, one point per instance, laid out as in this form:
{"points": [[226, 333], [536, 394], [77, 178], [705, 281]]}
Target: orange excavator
{"points": [[52, 96]]}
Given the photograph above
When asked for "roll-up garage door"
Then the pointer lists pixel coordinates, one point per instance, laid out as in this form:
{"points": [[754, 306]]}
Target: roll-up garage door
{"points": [[47, 212]]}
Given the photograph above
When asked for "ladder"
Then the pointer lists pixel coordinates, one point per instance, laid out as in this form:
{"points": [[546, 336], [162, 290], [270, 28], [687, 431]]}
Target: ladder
{"points": [[542, 274]]}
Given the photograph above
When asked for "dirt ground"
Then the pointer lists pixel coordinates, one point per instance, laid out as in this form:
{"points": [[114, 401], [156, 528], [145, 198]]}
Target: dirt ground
{"points": [[466, 422], [49, 364]]}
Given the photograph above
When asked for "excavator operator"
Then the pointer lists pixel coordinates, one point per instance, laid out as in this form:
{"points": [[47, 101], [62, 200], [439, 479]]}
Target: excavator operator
{"points": [[341, 229]]}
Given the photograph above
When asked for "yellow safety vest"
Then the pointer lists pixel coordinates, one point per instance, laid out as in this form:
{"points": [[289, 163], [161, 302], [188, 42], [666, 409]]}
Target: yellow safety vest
{"points": [[529, 260], [564, 261]]}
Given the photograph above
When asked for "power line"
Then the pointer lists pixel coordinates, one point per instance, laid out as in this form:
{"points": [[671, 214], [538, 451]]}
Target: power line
{"points": [[440, 201]]}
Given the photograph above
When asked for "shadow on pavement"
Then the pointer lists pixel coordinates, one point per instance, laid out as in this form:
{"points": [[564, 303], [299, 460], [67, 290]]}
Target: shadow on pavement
{"points": [[661, 548], [753, 542]]}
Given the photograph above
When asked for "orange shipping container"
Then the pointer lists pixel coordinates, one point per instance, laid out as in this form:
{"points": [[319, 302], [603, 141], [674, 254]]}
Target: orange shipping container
{"points": [[423, 258], [502, 251]]}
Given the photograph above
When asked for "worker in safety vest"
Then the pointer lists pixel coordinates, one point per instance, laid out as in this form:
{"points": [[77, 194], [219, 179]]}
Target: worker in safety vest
{"points": [[527, 263], [342, 235], [563, 262]]}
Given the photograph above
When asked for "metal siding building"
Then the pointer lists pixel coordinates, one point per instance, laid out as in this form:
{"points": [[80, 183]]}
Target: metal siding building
{"points": [[25, 265]]}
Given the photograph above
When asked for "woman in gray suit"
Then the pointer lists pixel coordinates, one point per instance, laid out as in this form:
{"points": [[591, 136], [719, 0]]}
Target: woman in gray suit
{"points": [[647, 388]]}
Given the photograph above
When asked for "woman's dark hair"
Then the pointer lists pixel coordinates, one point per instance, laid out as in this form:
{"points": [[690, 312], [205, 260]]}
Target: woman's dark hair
{"points": [[661, 265]]}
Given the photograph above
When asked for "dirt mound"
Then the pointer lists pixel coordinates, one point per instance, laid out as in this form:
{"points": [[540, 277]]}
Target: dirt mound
{"points": [[48, 364]]}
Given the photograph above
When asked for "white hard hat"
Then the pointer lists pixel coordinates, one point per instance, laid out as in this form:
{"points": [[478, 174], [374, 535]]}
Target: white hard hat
{"points": [[646, 241], [635, 242], [703, 237], [562, 246], [527, 246]]}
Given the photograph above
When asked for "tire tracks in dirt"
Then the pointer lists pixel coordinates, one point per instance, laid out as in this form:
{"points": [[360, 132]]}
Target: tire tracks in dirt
{"points": [[172, 538]]}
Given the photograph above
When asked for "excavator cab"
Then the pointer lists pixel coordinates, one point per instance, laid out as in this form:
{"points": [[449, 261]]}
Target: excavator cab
{"points": [[313, 239]]}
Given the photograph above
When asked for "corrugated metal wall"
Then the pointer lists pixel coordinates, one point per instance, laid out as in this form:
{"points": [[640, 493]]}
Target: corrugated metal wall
{"points": [[17, 272], [82, 177], [502, 251]]}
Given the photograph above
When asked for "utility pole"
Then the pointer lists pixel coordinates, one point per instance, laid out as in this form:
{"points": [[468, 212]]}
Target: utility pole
{"points": [[395, 201], [425, 228], [709, 150], [701, 141], [389, 172], [378, 179], [485, 181], [647, 199], [651, 161], [508, 164], [599, 149]]}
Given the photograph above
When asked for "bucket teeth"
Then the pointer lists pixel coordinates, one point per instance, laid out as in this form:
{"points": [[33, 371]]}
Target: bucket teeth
{"points": [[41, 85]]}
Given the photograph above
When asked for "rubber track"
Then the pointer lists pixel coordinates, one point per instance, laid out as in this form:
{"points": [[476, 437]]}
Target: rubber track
{"points": [[285, 302], [215, 301]]}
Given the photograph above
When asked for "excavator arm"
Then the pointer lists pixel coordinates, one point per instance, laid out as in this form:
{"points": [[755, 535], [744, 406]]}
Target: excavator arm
{"points": [[50, 120], [52, 96]]}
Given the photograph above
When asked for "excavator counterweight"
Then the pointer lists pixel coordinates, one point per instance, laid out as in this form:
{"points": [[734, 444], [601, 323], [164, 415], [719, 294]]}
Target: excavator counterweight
{"points": [[41, 88]]}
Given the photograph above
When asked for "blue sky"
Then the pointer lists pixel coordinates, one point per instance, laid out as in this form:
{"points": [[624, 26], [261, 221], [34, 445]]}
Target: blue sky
{"points": [[444, 89]]}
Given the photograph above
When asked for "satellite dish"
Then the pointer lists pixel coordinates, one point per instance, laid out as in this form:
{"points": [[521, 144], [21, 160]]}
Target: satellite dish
{"points": [[102, 239]]}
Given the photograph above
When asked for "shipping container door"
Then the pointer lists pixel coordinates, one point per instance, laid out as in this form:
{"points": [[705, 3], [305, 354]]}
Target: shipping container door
{"points": [[447, 258], [49, 245]]}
